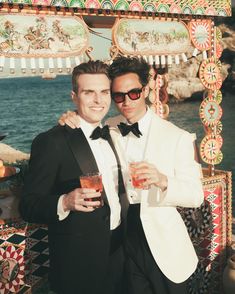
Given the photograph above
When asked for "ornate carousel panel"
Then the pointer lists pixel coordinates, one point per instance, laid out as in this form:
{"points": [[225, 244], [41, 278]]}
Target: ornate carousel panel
{"points": [[160, 41], [24, 256], [41, 41], [204, 7], [42, 36], [147, 37], [210, 230]]}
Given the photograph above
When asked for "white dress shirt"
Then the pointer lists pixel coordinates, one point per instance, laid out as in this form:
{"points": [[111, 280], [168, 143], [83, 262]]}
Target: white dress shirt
{"points": [[134, 151], [107, 165]]}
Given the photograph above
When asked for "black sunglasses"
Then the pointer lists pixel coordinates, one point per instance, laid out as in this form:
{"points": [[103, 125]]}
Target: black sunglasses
{"points": [[133, 94]]}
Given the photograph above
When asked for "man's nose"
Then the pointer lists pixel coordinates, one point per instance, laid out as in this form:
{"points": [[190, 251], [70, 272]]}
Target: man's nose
{"points": [[127, 99], [97, 98]]}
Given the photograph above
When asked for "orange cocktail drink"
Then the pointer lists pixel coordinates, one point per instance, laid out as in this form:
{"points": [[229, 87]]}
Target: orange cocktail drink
{"points": [[93, 181], [136, 182]]}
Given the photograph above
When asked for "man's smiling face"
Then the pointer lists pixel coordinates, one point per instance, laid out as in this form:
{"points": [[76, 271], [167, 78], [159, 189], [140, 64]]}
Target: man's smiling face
{"points": [[93, 97]]}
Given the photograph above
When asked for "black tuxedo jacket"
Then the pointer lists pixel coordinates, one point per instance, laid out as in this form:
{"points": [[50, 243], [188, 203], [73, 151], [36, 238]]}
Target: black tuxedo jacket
{"points": [[79, 245]]}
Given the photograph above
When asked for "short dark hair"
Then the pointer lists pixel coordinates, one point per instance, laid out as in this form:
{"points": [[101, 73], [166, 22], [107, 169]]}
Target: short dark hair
{"points": [[90, 67], [123, 65]]}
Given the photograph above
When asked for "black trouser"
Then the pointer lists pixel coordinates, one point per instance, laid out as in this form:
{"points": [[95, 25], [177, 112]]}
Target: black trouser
{"points": [[143, 274], [115, 273], [114, 281]]}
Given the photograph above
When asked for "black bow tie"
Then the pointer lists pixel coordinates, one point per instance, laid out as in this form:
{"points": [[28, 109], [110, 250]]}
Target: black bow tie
{"points": [[100, 133], [126, 129]]}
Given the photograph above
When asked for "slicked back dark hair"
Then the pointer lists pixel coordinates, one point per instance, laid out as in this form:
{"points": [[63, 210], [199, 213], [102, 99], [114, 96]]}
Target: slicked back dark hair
{"points": [[90, 67], [123, 65]]}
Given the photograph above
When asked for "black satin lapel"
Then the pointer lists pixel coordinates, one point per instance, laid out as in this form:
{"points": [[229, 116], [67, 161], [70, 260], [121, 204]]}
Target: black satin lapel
{"points": [[81, 150], [121, 187], [114, 150]]}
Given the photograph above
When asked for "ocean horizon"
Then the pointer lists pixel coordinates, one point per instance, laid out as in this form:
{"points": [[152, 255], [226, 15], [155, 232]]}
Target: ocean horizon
{"points": [[31, 105]]}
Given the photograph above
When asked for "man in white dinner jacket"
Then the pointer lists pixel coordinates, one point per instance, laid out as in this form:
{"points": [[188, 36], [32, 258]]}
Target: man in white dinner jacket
{"points": [[160, 254]]}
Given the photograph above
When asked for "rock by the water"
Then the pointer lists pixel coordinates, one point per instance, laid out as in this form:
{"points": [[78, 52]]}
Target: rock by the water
{"points": [[11, 155], [184, 80]]}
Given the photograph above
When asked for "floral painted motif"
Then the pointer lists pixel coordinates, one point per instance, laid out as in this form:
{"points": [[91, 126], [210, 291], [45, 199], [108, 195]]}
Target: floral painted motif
{"points": [[210, 73], [210, 149], [200, 31], [12, 267]]}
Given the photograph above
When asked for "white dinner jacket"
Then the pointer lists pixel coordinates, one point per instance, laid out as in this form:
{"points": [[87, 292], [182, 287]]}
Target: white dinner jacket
{"points": [[171, 150]]}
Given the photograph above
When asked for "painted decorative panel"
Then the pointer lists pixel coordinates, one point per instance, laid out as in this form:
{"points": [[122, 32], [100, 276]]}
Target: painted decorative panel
{"points": [[200, 31], [42, 36], [210, 230], [24, 256], [42, 44], [148, 37]]}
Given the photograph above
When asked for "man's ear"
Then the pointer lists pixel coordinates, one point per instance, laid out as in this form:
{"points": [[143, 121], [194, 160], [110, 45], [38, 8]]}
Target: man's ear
{"points": [[73, 96], [146, 91]]}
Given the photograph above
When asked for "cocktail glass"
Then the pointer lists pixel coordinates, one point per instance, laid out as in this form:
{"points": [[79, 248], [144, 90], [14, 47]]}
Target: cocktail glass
{"points": [[93, 181], [136, 183]]}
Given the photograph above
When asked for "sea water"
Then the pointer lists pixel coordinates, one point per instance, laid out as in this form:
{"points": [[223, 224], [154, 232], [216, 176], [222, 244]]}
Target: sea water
{"points": [[32, 105]]}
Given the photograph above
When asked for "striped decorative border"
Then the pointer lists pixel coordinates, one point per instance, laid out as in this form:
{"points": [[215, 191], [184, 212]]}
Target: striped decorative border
{"points": [[193, 7]]}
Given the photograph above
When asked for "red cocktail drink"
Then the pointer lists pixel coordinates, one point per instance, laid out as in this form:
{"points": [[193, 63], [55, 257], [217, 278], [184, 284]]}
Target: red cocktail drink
{"points": [[93, 181], [136, 182]]}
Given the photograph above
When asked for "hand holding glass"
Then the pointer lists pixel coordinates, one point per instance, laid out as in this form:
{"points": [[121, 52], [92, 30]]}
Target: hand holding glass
{"points": [[93, 181]]}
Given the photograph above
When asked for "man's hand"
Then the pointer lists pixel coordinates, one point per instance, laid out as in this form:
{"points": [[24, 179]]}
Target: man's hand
{"points": [[151, 175], [80, 199], [70, 118]]}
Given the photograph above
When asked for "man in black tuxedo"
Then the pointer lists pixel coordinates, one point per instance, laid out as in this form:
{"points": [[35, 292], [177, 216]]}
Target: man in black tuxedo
{"points": [[85, 242]]}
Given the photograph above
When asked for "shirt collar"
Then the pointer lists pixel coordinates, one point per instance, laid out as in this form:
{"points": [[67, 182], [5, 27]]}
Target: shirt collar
{"points": [[145, 121], [86, 127]]}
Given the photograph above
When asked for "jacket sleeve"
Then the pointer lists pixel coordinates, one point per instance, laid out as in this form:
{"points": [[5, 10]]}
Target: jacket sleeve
{"points": [[39, 201], [185, 186]]}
